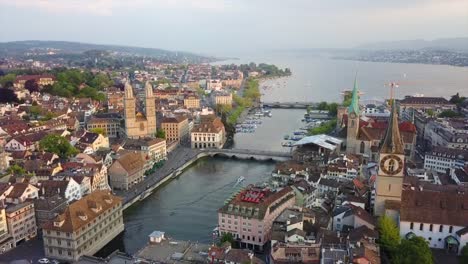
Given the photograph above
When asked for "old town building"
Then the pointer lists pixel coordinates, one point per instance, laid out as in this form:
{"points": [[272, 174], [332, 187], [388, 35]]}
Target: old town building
{"points": [[210, 133], [138, 124], [84, 227], [176, 128]]}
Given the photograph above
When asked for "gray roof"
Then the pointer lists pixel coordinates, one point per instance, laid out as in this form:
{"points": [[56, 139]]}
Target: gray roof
{"points": [[324, 141]]}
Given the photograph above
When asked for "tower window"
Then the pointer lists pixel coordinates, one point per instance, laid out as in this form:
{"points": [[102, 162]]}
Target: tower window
{"points": [[411, 225], [421, 226], [362, 147]]}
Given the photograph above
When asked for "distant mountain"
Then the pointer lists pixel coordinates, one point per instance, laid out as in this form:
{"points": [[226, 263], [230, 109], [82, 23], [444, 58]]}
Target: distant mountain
{"points": [[452, 44], [22, 48]]}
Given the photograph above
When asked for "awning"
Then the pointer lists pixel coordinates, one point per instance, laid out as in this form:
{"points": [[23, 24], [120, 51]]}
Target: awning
{"points": [[410, 235], [451, 240]]}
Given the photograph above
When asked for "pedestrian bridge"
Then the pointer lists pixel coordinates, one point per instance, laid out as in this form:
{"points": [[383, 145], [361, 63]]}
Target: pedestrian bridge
{"points": [[300, 105], [249, 154]]}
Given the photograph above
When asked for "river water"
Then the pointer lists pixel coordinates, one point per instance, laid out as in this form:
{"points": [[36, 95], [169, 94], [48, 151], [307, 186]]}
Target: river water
{"points": [[186, 207]]}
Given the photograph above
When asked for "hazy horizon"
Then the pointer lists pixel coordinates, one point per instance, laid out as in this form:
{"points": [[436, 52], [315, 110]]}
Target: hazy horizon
{"points": [[224, 27]]}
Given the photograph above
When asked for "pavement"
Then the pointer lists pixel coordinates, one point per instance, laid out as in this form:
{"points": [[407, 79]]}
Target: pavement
{"points": [[31, 250]]}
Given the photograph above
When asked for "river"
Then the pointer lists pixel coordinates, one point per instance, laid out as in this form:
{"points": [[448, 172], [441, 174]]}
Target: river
{"points": [[186, 207]]}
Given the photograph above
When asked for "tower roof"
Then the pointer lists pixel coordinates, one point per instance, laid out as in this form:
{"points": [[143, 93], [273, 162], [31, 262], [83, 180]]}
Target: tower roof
{"points": [[148, 90], [392, 142], [354, 106], [128, 90]]}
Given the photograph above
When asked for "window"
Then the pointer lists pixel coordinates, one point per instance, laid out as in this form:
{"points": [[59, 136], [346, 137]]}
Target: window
{"points": [[450, 229], [441, 228], [430, 228], [362, 147], [411, 225], [421, 226]]}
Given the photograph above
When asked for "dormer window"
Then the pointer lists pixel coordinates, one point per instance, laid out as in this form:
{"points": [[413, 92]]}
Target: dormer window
{"points": [[59, 223]]}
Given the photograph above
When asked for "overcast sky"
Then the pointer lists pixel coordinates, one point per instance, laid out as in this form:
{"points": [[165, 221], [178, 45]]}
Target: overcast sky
{"points": [[218, 26]]}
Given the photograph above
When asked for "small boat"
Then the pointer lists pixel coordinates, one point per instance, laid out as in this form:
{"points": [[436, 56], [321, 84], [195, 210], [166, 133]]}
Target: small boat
{"points": [[240, 179], [286, 137]]}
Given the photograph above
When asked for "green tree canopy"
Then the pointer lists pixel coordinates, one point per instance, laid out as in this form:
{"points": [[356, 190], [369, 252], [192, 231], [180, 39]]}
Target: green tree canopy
{"points": [[58, 145], [16, 170], [160, 134], [450, 113], [464, 254], [414, 250], [99, 130], [9, 78], [389, 237]]}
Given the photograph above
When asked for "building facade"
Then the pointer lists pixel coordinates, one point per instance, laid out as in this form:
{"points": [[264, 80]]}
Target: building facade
{"points": [[249, 216], [176, 128], [442, 159], [85, 227], [127, 170], [21, 221], [210, 133], [192, 102]]}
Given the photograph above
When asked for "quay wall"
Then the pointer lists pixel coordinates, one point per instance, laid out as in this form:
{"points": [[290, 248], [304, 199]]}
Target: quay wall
{"points": [[144, 194]]}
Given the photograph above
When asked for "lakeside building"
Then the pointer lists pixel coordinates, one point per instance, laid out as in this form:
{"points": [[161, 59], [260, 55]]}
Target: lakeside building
{"points": [[85, 227], [435, 104], [138, 124], [249, 215], [210, 133], [176, 128]]}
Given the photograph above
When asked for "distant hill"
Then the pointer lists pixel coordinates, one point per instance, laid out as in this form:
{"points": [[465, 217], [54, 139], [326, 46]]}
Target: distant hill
{"points": [[22, 48], [452, 44]]}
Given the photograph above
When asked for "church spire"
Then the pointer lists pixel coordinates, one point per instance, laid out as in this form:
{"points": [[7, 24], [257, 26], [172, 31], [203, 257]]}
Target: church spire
{"points": [[128, 90], [392, 142], [354, 106]]}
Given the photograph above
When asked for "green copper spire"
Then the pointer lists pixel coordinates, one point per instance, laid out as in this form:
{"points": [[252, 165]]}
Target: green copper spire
{"points": [[354, 106]]}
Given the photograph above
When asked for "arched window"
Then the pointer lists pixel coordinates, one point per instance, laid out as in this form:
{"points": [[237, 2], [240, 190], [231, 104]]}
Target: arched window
{"points": [[352, 123], [362, 147], [391, 165]]}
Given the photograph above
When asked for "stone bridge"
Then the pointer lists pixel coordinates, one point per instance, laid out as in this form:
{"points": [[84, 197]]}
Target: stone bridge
{"points": [[300, 105], [249, 154]]}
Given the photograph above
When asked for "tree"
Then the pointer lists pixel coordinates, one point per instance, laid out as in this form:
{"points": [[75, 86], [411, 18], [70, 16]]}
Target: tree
{"points": [[464, 255], [449, 113], [99, 130], [7, 96], [31, 86], [58, 145], [389, 237], [16, 170], [413, 250], [332, 109], [227, 237], [308, 109], [7, 79], [322, 106], [35, 111], [160, 134]]}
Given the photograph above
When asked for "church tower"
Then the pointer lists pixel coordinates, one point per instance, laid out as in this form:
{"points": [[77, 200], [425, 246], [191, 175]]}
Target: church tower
{"points": [[150, 109], [391, 166], [353, 121], [130, 109]]}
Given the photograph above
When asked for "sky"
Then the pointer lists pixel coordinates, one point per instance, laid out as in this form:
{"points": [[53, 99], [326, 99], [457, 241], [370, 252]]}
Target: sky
{"points": [[226, 26]]}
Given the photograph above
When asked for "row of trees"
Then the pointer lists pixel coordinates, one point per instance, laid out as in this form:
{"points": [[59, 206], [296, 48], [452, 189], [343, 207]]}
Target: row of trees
{"points": [[402, 251]]}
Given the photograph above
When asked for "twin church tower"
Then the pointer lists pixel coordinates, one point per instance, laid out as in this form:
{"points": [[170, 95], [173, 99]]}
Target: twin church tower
{"points": [[138, 124]]}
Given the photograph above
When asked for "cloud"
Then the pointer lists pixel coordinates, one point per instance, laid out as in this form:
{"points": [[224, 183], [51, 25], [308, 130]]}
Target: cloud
{"points": [[108, 7]]}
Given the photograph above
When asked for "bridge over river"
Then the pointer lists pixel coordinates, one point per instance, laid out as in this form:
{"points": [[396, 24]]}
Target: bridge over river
{"points": [[297, 105]]}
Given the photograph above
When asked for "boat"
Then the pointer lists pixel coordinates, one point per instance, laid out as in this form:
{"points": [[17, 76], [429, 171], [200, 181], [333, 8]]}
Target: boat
{"points": [[240, 179], [286, 137]]}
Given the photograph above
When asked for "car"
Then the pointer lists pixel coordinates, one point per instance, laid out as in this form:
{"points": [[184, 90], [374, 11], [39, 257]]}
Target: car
{"points": [[44, 261], [54, 261]]}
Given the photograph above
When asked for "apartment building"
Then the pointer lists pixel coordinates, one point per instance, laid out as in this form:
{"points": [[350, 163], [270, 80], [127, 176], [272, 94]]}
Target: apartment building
{"points": [[449, 132], [192, 102], [221, 98], [21, 221], [249, 215], [127, 170], [85, 227], [6, 241], [210, 133], [110, 125], [176, 128], [442, 159]]}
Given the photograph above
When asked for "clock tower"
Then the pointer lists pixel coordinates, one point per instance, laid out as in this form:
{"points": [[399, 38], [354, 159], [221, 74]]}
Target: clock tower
{"points": [[391, 166]]}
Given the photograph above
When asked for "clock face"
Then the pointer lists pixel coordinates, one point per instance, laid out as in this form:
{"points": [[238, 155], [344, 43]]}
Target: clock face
{"points": [[391, 165]]}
